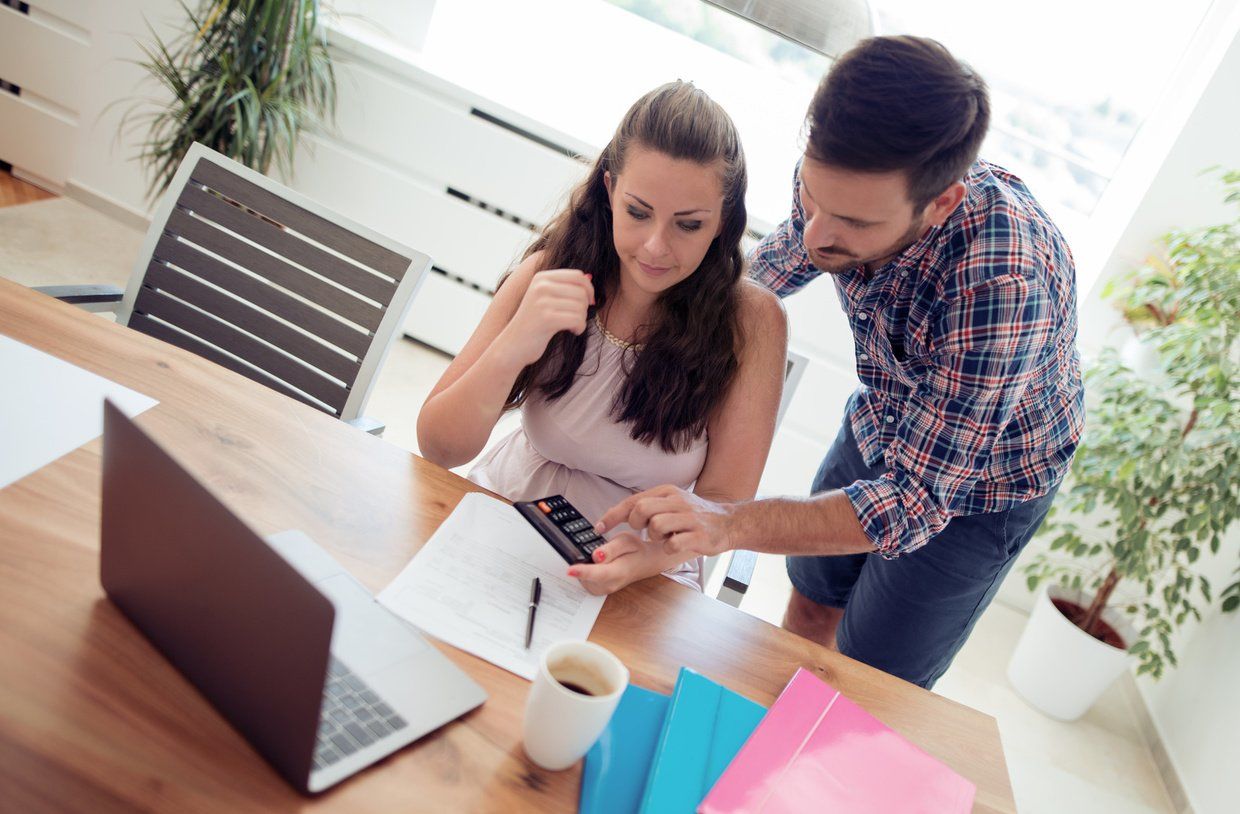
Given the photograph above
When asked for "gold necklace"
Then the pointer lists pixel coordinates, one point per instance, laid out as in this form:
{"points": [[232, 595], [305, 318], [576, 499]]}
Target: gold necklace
{"points": [[613, 339]]}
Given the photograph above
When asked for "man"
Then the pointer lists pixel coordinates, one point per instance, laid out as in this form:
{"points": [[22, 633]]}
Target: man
{"points": [[961, 297]]}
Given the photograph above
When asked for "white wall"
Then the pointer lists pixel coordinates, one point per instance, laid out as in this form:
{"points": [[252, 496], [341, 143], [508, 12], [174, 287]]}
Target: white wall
{"points": [[75, 63], [1195, 707], [1158, 188], [105, 171]]}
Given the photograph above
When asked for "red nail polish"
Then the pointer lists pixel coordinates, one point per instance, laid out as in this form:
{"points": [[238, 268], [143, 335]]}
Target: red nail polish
{"points": [[599, 556], [572, 573]]}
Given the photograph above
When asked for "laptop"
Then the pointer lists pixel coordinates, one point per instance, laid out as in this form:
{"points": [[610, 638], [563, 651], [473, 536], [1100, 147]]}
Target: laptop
{"points": [[286, 644]]}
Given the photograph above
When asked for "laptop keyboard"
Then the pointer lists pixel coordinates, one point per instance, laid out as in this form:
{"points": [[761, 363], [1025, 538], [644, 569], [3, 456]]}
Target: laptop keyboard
{"points": [[352, 718]]}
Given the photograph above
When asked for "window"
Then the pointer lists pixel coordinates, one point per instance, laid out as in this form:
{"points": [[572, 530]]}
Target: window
{"points": [[1070, 82], [734, 36]]}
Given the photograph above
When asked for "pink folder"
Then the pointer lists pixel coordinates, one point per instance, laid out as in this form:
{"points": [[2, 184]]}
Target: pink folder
{"points": [[818, 751]]}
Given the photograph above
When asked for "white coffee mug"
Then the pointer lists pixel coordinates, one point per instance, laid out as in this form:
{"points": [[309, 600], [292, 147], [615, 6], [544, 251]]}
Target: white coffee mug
{"points": [[576, 690]]}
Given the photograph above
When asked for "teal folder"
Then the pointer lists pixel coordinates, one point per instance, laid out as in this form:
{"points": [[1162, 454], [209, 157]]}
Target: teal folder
{"points": [[616, 766], [705, 726]]}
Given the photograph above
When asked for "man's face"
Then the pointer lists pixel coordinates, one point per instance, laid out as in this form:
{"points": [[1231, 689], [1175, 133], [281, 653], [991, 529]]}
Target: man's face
{"points": [[856, 218]]}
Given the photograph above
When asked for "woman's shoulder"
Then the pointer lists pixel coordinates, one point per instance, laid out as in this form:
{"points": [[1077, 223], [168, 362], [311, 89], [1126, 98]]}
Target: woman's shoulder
{"points": [[528, 267], [517, 278], [758, 305]]}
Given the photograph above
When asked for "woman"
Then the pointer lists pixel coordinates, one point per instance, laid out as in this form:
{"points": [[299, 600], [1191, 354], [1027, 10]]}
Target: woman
{"points": [[629, 338]]}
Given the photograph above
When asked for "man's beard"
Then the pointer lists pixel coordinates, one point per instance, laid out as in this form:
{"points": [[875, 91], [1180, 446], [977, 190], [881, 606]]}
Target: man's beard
{"points": [[839, 262]]}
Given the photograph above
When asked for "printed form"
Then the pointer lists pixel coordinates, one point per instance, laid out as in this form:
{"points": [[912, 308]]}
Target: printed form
{"points": [[470, 587]]}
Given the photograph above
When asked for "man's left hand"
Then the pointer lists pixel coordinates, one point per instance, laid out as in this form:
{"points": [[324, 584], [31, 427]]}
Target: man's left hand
{"points": [[682, 522]]}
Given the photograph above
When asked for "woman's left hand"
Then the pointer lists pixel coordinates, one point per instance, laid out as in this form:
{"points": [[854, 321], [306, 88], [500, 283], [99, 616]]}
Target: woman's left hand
{"points": [[619, 562]]}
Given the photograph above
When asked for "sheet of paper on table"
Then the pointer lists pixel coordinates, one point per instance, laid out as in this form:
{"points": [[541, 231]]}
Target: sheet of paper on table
{"points": [[469, 586], [50, 408]]}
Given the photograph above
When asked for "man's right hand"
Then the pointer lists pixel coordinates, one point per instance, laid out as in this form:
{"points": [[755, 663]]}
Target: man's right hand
{"points": [[683, 523], [556, 300]]}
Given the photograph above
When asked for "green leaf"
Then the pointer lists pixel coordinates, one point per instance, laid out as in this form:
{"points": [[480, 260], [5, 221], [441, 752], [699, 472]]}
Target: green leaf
{"points": [[245, 78]]}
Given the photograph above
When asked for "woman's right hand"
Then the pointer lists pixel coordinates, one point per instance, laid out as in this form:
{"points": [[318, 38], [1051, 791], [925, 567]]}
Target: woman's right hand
{"points": [[556, 300]]}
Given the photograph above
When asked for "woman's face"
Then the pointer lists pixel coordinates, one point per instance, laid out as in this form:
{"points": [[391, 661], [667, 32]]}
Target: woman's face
{"points": [[665, 213]]}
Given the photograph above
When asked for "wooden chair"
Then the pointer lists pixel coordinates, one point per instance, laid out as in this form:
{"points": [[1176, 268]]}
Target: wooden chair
{"points": [[741, 563], [260, 279]]}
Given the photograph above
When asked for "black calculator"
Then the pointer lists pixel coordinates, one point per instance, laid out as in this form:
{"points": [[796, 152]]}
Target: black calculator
{"points": [[569, 533]]}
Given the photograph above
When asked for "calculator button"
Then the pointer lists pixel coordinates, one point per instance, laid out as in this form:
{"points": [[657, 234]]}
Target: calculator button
{"points": [[543, 507], [584, 537]]}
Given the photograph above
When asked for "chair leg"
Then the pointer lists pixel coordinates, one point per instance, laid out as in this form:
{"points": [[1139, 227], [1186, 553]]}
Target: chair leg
{"points": [[367, 424], [739, 575]]}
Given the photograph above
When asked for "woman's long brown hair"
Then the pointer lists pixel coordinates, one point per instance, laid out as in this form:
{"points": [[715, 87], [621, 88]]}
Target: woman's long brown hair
{"points": [[690, 354]]}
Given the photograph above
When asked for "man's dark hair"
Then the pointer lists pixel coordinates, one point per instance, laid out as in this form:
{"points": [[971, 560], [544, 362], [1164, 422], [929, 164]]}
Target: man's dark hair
{"points": [[900, 103]]}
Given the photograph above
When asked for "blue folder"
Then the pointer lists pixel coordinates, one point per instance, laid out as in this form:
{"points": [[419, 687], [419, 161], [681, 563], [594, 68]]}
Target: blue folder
{"points": [[705, 726], [616, 766]]}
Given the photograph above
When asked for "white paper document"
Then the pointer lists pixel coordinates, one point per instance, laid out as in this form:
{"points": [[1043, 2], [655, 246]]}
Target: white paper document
{"points": [[50, 408], [470, 587]]}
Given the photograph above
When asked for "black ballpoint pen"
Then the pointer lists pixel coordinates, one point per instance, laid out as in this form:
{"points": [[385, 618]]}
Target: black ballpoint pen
{"points": [[535, 595]]}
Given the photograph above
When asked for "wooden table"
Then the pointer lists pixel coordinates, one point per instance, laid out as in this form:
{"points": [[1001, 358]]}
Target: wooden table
{"points": [[93, 719]]}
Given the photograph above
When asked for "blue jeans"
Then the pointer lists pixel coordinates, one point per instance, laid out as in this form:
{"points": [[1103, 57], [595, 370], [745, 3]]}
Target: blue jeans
{"points": [[909, 616]]}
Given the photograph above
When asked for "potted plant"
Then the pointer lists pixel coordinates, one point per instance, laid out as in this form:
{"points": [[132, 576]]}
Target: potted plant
{"points": [[1155, 483], [245, 77]]}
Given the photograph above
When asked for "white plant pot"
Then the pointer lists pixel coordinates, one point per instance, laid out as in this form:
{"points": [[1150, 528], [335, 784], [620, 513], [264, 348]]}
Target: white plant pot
{"points": [[1058, 668], [1140, 355]]}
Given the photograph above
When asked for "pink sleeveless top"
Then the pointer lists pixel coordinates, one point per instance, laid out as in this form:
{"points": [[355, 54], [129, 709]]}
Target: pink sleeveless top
{"points": [[575, 447]]}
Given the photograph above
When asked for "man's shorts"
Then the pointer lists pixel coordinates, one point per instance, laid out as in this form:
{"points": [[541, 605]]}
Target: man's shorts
{"points": [[909, 616]]}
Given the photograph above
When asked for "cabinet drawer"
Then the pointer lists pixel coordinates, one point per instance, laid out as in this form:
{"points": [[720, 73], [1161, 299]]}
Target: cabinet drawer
{"points": [[445, 313], [42, 58], [74, 12], [434, 139], [461, 238], [33, 140]]}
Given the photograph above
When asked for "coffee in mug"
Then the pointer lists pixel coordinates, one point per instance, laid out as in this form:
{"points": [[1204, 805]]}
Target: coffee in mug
{"points": [[574, 693], [578, 675]]}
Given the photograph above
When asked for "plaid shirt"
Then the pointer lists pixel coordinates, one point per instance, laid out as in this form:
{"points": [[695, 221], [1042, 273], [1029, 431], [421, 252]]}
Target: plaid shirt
{"points": [[966, 350]]}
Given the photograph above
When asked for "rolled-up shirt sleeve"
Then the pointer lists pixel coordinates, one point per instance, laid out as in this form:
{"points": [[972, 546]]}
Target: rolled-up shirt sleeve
{"points": [[984, 350], [780, 261]]}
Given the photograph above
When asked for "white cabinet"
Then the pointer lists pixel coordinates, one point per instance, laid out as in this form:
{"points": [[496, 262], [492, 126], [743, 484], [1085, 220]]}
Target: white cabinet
{"points": [[437, 168], [43, 54]]}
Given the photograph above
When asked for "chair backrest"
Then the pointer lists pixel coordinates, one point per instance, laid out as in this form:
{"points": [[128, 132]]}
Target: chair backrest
{"points": [[793, 370], [260, 279]]}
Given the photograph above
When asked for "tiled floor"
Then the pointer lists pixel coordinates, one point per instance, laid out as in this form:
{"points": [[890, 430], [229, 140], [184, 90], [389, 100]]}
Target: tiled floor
{"points": [[1097, 764]]}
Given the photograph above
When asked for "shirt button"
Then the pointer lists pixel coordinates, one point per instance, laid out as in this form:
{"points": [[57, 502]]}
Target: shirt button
{"points": [[891, 419], [865, 357], [904, 272], [863, 316]]}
